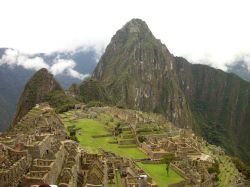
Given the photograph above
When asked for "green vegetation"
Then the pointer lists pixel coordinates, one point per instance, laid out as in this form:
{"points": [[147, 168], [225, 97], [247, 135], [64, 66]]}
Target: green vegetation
{"points": [[93, 90], [214, 168], [243, 168], [95, 104], [158, 173], [227, 172], [60, 101], [39, 85], [118, 179], [72, 133], [89, 128], [141, 139], [167, 159], [94, 134]]}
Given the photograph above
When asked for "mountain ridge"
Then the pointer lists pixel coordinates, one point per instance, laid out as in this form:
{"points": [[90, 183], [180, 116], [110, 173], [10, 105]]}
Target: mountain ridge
{"points": [[14, 77], [134, 51], [137, 71], [39, 85]]}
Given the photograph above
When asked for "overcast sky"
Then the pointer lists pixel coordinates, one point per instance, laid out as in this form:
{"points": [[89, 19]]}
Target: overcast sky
{"points": [[204, 31]]}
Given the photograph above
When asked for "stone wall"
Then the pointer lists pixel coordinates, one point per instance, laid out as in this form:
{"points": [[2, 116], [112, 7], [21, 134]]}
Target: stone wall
{"points": [[11, 176], [126, 141], [39, 148], [180, 184], [46, 170], [34, 177], [180, 172]]}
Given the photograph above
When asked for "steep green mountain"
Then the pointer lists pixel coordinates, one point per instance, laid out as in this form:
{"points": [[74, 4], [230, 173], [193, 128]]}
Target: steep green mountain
{"points": [[138, 71], [14, 78], [220, 103], [40, 84]]}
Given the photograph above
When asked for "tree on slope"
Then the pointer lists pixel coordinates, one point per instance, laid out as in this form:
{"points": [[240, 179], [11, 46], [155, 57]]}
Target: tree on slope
{"points": [[167, 159]]}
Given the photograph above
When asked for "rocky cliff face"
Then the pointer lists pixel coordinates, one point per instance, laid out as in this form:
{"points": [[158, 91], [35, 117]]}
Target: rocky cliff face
{"points": [[39, 85], [220, 103], [139, 72]]}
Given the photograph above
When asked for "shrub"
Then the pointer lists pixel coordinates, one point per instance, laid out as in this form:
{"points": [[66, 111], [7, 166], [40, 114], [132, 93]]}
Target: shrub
{"points": [[74, 138], [95, 104], [121, 106], [141, 139], [243, 168], [60, 101]]}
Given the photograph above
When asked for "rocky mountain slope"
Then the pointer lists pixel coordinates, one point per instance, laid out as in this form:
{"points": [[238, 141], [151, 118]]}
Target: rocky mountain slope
{"points": [[220, 104], [137, 71], [41, 84], [14, 78]]}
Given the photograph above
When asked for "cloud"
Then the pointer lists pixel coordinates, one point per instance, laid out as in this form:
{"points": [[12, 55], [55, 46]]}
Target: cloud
{"points": [[59, 66], [243, 60], [15, 58], [66, 66], [76, 74], [188, 28]]}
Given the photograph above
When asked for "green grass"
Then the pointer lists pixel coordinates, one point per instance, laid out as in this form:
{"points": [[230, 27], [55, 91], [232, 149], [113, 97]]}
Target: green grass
{"points": [[227, 169], [118, 179], [89, 128], [159, 174], [227, 172]]}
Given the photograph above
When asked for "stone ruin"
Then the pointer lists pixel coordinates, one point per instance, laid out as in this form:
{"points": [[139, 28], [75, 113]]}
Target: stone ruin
{"points": [[189, 162], [38, 151]]}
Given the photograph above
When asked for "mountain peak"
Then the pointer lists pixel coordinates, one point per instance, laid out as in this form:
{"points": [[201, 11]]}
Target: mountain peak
{"points": [[39, 85], [42, 70], [135, 30], [135, 26], [138, 71]]}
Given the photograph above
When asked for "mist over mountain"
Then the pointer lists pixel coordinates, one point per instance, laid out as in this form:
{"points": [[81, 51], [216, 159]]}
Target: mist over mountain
{"points": [[240, 68], [16, 68]]}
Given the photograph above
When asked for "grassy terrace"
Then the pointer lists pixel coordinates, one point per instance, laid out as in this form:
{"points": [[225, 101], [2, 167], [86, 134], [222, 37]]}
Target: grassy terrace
{"points": [[227, 172], [91, 127], [159, 174]]}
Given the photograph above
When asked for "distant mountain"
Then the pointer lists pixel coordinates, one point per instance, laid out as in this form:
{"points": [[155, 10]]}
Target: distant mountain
{"points": [[13, 78], [137, 71], [239, 68], [85, 63], [11, 86], [40, 84], [220, 104]]}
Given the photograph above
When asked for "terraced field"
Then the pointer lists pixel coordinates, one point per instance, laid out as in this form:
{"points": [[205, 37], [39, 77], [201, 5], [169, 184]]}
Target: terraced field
{"points": [[159, 174], [90, 128], [89, 136]]}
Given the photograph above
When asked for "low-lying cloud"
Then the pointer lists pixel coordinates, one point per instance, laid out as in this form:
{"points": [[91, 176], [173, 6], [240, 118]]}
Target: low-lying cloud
{"points": [[59, 66], [244, 59], [15, 58], [66, 66]]}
